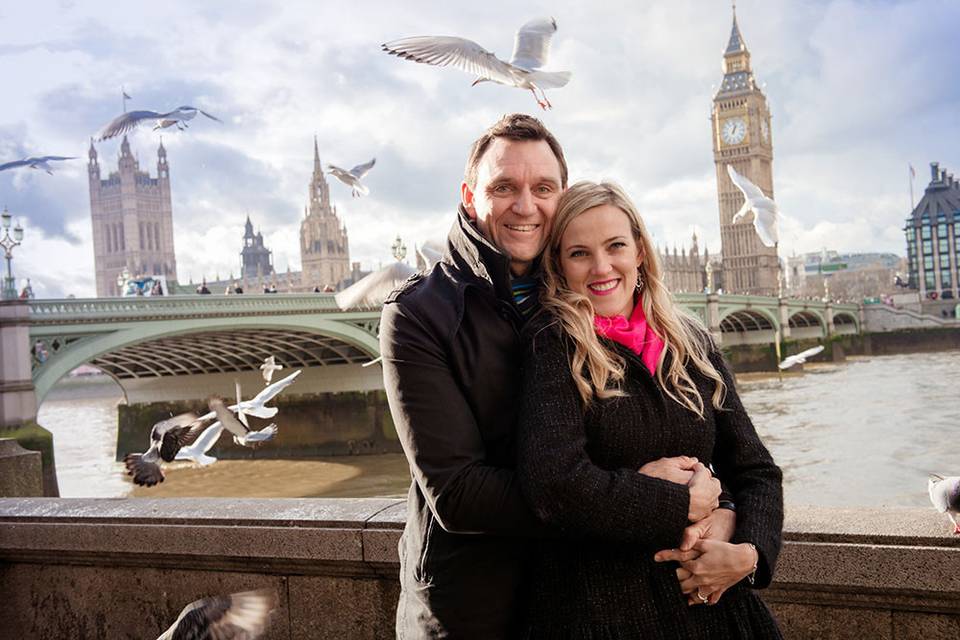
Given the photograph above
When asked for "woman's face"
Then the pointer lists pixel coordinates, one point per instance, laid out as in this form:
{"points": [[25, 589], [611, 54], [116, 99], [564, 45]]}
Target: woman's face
{"points": [[599, 258]]}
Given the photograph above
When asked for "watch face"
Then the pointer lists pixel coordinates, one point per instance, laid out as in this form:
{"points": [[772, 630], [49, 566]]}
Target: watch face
{"points": [[734, 131], [764, 130]]}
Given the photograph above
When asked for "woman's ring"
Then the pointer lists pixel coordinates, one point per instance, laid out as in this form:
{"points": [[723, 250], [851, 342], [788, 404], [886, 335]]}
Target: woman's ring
{"points": [[702, 597]]}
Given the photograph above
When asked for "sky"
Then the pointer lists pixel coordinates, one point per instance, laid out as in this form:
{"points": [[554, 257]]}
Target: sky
{"points": [[858, 91]]}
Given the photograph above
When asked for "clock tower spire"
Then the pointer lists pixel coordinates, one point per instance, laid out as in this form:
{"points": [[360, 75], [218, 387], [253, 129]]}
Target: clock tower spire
{"points": [[740, 120]]}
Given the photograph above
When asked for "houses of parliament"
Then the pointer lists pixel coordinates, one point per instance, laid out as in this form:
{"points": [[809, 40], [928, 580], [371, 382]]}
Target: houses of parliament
{"points": [[132, 214]]}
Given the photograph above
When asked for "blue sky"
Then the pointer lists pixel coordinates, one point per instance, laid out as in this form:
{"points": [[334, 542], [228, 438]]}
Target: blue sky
{"points": [[857, 89]]}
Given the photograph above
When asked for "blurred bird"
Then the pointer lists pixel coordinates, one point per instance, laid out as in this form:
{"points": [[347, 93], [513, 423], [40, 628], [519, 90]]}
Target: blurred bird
{"points": [[945, 496], [524, 71], [197, 452], [255, 406], [268, 367], [128, 121], [801, 357], [242, 434], [166, 439], [353, 177], [240, 616], [35, 162], [765, 211]]}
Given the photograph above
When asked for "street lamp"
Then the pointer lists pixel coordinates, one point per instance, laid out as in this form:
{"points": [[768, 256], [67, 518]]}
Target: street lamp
{"points": [[8, 243]]}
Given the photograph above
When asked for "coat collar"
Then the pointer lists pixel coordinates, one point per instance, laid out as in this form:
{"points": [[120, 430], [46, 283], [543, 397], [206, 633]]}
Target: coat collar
{"points": [[477, 258]]}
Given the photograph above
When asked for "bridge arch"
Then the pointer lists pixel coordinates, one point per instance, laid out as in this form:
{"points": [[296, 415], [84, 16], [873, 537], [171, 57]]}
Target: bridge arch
{"points": [[133, 350], [807, 323], [748, 326], [845, 323]]}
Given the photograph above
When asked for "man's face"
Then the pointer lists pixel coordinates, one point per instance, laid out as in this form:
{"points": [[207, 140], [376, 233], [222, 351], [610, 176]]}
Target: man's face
{"points": [[515, 198]]}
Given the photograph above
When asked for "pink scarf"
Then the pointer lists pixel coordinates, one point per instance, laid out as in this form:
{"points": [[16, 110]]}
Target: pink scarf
{"points": [[635, 334]]}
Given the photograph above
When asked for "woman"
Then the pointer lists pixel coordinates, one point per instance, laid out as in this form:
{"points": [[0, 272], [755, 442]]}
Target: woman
{"points": [[617, 378]]}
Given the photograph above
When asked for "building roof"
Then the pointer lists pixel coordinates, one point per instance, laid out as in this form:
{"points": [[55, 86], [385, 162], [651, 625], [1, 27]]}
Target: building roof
{"points": [[370, 291], [942, 196], [736, 44]]}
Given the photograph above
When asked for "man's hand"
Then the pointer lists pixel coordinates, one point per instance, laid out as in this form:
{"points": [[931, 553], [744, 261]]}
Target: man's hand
{"points": [[704, 493], [678, 469], [719, 525]]}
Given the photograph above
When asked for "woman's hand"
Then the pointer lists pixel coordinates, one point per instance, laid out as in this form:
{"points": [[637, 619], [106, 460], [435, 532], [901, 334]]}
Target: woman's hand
{"points": [[719, 525], [719, 566], [678, 469], [704, 493]]}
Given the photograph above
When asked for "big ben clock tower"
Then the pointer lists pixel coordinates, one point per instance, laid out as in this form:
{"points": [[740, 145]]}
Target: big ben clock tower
{"points": [[742, 138]]}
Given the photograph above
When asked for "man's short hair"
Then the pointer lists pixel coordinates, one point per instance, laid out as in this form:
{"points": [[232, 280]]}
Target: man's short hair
{"points": [[513, 126]]}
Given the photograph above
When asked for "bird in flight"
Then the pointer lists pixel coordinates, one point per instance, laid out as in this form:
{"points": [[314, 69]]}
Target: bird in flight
{"points": [[353, 177], [524, 71], [801, 357], [35, 162], [237, 425], [765, 211], [166, 439], [197, 452], [268, 367], [241, 615], [128, 121]]}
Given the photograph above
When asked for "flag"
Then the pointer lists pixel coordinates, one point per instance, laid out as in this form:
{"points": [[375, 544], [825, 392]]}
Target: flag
{"points": [[913, 174], [126, 97]]}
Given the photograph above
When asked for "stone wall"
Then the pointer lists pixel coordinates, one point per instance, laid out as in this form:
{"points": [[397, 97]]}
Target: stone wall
{"points": [[125, 568]]}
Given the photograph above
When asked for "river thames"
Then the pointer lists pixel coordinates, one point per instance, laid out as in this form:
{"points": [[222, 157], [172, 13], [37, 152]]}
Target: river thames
{"points": [[861, 433]]}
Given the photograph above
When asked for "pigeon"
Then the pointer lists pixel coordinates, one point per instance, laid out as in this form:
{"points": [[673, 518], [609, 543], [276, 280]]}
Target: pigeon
{"points": [[197, 452], [128, 121], [524, 71], [239, 616], [801, 357], [268, 367], [166, 439], [242, 434], [945, 496], [765, 211], [35, 162], [353, 177]]}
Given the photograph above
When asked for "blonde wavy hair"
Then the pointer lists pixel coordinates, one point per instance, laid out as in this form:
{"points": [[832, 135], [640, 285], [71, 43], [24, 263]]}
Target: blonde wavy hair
{"points": [[597, 371]]}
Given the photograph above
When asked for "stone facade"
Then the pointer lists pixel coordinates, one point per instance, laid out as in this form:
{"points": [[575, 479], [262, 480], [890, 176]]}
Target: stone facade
{"points": [[684, 271], [255, 259], [324, 246], [132, 219], [742, 137]]}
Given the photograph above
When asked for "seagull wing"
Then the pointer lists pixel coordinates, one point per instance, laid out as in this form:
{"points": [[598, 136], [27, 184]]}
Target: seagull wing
{"points": [[226, 417], [809, 353], [48, 158], [789, 362], [361, 170], [240, 414], [532, 45], [938, 489], [442, 51], [744, 210], [267, 393], [126, 122], [765, 222], [234, 617], [750, 191], [211, 116], [203, 444], [15, 164]]}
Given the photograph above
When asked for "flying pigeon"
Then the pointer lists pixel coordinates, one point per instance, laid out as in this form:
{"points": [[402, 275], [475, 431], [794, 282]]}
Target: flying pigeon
{"points": [[801, 357], [197, 452], [166, 438], [945, 496], [128, 121], [242, 434], [353, 177], [268, 367], [35, 162], [765, 211], [238, 616], [524, 71]]}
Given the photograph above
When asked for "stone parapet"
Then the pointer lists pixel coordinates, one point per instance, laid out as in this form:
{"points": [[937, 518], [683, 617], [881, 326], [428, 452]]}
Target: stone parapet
{"points": [[125, 567]]}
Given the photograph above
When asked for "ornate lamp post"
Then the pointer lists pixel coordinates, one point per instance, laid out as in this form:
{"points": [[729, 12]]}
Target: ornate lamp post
{"points": [[709, 270], [8, 243], [399, 249]]}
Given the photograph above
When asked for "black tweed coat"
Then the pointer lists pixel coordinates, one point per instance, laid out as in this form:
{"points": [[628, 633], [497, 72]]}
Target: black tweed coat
{"points": [[579, 472]]}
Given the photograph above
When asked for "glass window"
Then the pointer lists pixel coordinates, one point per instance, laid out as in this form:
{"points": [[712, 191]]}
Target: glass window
{"points": [[944, 260], [942, 230], [945, 279], [929, 280], [943, 246], [928, 262], [928, 247]]}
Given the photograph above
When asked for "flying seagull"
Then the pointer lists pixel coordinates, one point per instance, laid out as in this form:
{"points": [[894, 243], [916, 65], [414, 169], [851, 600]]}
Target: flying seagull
{"points": [[765, 211], [801, 357], [166, 438], [242, 434], [945, 496], [197, 452], [239, 616], [353, 177], [255, 406], [35, 162], [268, 367], [524, 71], [128, 121]]}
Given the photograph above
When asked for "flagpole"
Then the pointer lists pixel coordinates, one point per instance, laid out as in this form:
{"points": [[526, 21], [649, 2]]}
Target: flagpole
{"points": [[123, 98], [912, 175]]}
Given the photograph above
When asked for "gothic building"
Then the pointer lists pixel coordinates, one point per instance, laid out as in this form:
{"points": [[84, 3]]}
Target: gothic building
{"points": [[324, 247], [132, 220], [255, 259], [742, 138], [684, 271]]}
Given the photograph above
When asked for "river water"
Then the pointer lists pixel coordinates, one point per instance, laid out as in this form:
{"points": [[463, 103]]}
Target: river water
{"points": [[861, 433]]}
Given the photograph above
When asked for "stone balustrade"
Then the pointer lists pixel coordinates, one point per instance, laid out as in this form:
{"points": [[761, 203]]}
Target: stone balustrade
{"points": [[96, 568]]}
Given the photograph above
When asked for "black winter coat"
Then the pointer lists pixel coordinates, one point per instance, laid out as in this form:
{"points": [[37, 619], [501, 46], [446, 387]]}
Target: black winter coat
{"points": [[579, 471], [450, 341]]}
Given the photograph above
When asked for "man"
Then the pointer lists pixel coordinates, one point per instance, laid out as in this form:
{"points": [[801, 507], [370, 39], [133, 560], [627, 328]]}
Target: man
{"points": [[450, 341]]}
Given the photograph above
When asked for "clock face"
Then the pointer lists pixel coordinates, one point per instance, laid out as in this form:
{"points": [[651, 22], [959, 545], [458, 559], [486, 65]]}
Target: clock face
{"points": [[764, 131], [734, 131]]}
